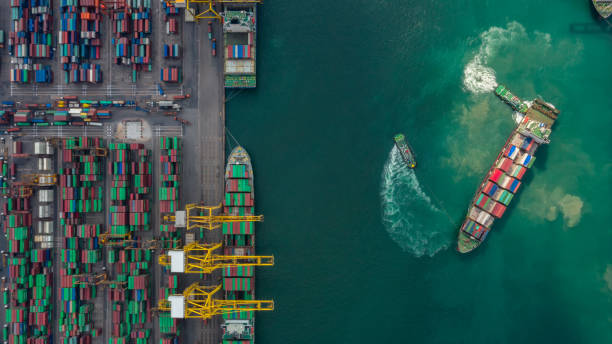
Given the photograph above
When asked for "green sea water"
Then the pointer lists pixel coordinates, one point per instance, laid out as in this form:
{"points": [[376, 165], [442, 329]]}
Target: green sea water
{"points": [[365, 249]]}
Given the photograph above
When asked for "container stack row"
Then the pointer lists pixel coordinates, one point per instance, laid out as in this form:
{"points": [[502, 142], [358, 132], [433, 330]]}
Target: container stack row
{"points": [[27, 297], [170, 185], [81, 194], [130, 168], [503, 181], [41, 282], [130, 296], [131, 31], [45, 196], [171, 74], [168, 327], [30, 38], [172, 51], [79, 40], [169, 198]]}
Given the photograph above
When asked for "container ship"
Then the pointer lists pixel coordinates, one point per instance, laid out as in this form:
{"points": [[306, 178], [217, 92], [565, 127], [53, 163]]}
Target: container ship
{"points": [[239, 45], [239, 239], [503, 179], [603, 8]]}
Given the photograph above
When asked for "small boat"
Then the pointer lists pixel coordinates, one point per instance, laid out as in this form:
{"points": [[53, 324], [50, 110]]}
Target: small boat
{"points": [[405, 150]]}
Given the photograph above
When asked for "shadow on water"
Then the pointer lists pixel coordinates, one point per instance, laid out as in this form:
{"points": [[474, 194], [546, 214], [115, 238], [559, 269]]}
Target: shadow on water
{"points": [[599, 24], [541, 156]]}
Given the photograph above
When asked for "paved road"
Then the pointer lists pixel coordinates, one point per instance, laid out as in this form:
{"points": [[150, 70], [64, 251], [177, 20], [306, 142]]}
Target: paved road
{"points": [[104, 131], [209, 128], [86, 90]]}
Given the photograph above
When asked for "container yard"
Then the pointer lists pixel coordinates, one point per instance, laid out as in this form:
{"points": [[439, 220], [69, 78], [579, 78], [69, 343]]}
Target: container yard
{"points": [[108, 110]]}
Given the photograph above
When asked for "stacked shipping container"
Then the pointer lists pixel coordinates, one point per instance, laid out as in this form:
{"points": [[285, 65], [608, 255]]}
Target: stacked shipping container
{"points": [[131, 31], [170, 181], [30, 38], [172, 51], [130, 169], [79, 40], [27, 298], [171, 74], [81, 195], [169, 196]]}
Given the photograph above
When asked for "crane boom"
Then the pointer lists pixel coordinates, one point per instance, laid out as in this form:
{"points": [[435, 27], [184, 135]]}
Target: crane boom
{"points": [[199, 258], [189, 219], [197, 302], [209, 12]]}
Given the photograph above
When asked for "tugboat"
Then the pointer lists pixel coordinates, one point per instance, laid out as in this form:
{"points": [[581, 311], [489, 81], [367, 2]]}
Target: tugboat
{"points": [[405, 150]]}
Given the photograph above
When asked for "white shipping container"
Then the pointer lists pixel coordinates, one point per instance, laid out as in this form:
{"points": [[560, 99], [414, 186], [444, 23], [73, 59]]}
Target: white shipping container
{"points": [[45, 164], [44, 211], [45, 196], [484, 219]]}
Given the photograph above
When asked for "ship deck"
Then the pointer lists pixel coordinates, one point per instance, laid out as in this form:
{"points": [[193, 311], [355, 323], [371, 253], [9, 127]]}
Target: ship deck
{"points": [[540, 117]]}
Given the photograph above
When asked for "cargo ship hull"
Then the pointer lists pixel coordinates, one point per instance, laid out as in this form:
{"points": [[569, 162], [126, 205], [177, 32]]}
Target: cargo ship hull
{"points": [[503, 179], [239, 239], [240, 45]]}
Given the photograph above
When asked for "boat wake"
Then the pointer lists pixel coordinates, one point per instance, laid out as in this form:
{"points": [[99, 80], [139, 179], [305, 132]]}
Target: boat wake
{"points": [[478, 77], [408, 213]]}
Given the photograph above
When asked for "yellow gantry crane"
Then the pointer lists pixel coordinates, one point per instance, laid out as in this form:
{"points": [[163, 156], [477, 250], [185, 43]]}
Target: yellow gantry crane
{"points": [[124, 239], [23, 188], [93, 279], [106, 237], [197, 258], [200, 216], [209, 12], [40, 179], [197, 302]]}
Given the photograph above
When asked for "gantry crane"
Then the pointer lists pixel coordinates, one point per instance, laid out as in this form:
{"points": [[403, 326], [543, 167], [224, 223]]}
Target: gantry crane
{"points": [[39, 179], [105, 237], [93, 279], [209, 12], [20, 190], [198, 258], [197, 302], [81, 150], [97, 151], [149, 244], [23, 188], [188, 218]]}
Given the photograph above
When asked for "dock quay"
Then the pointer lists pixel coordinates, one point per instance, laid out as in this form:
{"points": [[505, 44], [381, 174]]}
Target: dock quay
{"points": [[113, 162]]}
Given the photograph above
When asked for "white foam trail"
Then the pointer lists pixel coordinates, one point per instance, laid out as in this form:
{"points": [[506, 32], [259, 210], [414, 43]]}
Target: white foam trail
{"points": [[478, 77], [409, 215]]}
